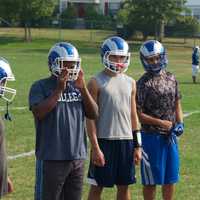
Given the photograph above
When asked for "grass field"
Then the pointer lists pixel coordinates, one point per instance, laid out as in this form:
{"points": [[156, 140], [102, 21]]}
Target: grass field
{"points": [[29, 63]]}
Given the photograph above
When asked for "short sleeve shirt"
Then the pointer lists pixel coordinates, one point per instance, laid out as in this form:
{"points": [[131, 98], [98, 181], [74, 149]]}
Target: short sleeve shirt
{"points": [[61, 134], [157, 96], [3, 162]]}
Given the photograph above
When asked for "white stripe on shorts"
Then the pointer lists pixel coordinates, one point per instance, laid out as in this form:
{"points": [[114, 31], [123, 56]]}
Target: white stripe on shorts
{"points": [[148, 176]]}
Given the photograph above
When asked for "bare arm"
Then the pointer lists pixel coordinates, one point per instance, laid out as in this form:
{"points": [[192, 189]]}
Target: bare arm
{"points": [[46, 106], [90, 105], [134, 117], [147, 119], [97, 155], [179, 112], [135, 123]]}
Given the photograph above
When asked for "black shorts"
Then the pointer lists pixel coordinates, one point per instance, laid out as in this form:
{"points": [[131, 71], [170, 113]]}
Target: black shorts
{"points": [[119, 164], [59, 180]]}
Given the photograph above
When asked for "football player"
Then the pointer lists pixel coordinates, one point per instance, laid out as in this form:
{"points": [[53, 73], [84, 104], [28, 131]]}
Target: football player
{"points": [[59, 104], [160, 114], [115, 135], [7, 94], [195, 63]]}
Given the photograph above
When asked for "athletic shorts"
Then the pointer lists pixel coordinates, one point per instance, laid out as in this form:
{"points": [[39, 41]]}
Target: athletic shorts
{"points": [[59, 180], [119, 165], [195, 70], [160, 159]]}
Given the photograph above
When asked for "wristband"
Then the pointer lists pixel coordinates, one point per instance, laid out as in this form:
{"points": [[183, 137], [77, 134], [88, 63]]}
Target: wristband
{"points": [[137, 138]]}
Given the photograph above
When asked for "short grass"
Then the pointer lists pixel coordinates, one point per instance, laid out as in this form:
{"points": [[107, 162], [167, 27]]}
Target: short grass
{"points": [[29, 63]]}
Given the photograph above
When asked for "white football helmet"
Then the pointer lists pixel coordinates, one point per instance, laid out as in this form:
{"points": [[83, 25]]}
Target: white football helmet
{"points": [[196, 49], [115, 46], [150, 49], [61, 52], [6, 75]]}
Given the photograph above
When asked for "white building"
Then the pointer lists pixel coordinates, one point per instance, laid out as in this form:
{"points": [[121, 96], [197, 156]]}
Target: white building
{"points": [[102, 6], [194, 5]]}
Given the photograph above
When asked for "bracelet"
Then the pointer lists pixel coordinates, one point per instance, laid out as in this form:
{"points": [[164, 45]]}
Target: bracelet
{"points": [[137, 138]]}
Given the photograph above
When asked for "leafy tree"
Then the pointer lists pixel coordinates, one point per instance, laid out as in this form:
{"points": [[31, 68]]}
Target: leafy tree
{"points": [[96, 20], [183, 26], [70, 12], [150, 16], [25, 11]]}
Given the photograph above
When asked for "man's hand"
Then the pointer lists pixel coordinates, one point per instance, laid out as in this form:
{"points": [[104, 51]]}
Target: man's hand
{"points": [[178, 129], [10, 186], [80, 81], [137, 155], [62, 80], [98, 157], [167, 125]]}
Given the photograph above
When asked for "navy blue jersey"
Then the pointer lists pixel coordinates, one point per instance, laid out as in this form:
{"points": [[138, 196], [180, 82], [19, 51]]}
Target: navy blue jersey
{"points": [[61, 134], [195, 57]]}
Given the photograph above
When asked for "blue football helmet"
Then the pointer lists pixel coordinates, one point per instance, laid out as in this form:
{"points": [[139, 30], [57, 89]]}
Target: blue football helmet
{"points": [[6, 75], [115, 46], [150, 49], [61, 52]]}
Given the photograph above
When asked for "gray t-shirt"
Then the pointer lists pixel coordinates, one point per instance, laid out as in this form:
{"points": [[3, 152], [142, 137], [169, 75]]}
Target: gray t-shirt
{"points": [[114, 102], [61, 134], [3, 162]]}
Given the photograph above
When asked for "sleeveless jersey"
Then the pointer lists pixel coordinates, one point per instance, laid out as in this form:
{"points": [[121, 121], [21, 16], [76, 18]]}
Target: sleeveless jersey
{"points": [[114, 102]]}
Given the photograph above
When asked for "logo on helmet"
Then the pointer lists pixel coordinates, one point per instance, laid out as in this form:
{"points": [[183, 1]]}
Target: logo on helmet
{"points": [[6, 75], [153, 56], [115, 54], [59, 54]]}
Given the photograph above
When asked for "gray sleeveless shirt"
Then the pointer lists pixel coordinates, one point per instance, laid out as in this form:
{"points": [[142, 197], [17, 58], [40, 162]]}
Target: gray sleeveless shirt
{"points": [[114, 102]]}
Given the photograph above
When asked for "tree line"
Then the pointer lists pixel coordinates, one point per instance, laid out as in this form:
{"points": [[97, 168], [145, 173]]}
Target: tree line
{"points": [[150, 17]]}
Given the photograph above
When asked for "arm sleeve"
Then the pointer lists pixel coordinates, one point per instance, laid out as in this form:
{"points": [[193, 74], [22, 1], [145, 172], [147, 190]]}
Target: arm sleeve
{"points": [[178, 93], [140, 96], [36, 95]]}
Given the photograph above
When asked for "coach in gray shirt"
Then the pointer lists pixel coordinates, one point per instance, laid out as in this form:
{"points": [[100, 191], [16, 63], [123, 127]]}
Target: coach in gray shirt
{"points": [[59, 104]]}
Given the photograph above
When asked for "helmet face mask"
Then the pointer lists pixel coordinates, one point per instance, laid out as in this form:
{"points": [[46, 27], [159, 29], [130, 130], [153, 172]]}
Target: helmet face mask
{"points": [[60, 54], [6, 92], [116, 66], [154, 50], [72, 67], [115, 47]]}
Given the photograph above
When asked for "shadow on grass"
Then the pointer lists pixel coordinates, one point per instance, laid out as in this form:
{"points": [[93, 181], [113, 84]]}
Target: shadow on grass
{"points": [[42, 45], [188, 83], [8, 40]]}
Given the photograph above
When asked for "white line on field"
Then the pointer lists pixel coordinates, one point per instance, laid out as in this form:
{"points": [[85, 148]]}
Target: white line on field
{"points": [[187, 114], [2, 108], [21, 155]]}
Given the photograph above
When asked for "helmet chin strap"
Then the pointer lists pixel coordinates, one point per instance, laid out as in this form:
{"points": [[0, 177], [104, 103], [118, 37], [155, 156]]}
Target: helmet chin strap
{"points": [[7, 115]]}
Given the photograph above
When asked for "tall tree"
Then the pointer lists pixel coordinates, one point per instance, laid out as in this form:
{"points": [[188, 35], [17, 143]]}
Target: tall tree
{"points": [[151, 15], [25, 11]]}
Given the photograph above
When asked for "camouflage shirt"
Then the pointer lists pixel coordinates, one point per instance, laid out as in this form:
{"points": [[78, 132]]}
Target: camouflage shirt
{"points": [[157, 96]]}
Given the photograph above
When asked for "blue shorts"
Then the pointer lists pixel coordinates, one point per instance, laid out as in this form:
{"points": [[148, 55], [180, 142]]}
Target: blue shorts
{"points": [[119, 165], [160, 159]]}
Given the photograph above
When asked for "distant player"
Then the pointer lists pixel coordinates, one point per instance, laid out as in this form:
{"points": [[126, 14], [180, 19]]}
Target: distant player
{"points": [[59, 104], [160, 114], [115, 137], [195, 63], [7, 94]]}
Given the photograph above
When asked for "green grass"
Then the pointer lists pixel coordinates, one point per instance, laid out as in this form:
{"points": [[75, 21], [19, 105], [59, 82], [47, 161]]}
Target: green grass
{"points": [[29, 63]]}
